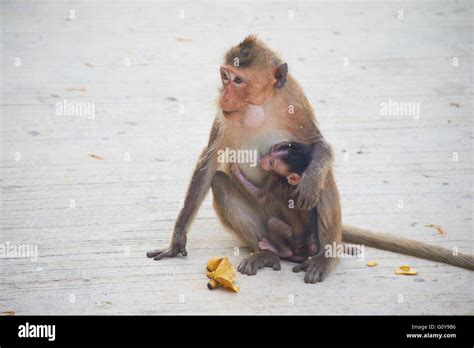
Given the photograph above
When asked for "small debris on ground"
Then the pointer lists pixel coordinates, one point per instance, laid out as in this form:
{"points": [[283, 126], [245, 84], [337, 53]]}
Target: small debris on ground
{"points": [[439, 229], [77, 89], [96, 156], [405, 270]]}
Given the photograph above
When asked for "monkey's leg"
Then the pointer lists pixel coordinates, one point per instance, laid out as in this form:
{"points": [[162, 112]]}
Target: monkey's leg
{"points": [[245, 219], [280, 228], [280, 233], [330, 229]]}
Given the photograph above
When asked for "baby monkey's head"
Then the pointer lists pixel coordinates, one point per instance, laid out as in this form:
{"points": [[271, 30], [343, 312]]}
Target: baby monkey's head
{"points": [[287, 159]]}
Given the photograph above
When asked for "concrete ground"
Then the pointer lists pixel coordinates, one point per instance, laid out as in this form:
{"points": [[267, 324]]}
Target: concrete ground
{"points": [[106, 105]]}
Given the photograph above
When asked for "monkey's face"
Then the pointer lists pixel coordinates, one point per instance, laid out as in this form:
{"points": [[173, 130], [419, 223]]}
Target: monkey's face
{"points": [[273, 162], [244, 91]]}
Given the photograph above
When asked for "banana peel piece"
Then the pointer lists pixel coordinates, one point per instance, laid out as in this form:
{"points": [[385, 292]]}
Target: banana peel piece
{"points": [[212, 284], [213, 263], [221, 273], [405, 270]]}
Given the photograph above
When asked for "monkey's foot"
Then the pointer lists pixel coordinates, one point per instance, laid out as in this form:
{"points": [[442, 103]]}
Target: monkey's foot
{"points": [[258, 260], [264, 244], [315, 269]]}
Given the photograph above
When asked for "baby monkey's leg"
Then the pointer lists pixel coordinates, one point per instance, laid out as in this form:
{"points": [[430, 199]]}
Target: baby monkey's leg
{"points": [[279, 235]]}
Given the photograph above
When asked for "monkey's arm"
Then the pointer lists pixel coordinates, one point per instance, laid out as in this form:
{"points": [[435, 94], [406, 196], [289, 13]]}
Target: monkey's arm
{"points": [[313, 179], [258, 194], [197, 190]]}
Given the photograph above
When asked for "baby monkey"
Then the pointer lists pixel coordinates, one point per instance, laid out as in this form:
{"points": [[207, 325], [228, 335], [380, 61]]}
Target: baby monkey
{"points": [[297, 238]]}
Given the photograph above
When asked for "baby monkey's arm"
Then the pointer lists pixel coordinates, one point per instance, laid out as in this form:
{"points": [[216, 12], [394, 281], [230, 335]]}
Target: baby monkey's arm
{"points": [[259, 194]]}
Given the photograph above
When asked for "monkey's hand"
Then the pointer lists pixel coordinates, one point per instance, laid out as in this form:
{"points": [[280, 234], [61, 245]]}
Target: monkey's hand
{"points": [[307, 192], [262, 198], [178, 246], [234, 169], [315, 268]]}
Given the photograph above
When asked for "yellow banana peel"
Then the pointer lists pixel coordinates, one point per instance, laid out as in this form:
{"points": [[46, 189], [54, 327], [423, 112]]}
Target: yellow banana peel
{"points": [[221, 273]]}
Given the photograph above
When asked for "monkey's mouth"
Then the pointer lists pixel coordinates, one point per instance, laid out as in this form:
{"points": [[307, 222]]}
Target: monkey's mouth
{"points": [[227, 113]]}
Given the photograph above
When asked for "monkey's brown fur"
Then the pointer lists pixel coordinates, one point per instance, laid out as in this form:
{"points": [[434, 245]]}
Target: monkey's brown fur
{"points": [[293, 235], [254, 113], [396, 244]]}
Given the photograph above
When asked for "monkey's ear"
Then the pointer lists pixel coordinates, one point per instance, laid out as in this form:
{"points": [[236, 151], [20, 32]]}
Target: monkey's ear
{"points": [[293, 179], [280, 72]]}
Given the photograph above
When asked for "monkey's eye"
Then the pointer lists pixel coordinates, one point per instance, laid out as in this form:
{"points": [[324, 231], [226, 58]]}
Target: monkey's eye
{"points": [[238, 80], [272, 163]]}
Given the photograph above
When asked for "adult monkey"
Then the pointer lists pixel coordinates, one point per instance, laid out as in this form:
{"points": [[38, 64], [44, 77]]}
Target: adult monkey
{"points": [[261, 105]]}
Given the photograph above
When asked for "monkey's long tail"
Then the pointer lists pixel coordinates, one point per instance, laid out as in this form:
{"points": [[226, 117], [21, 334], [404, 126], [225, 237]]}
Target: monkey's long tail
{"points": [[384, 241]]}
